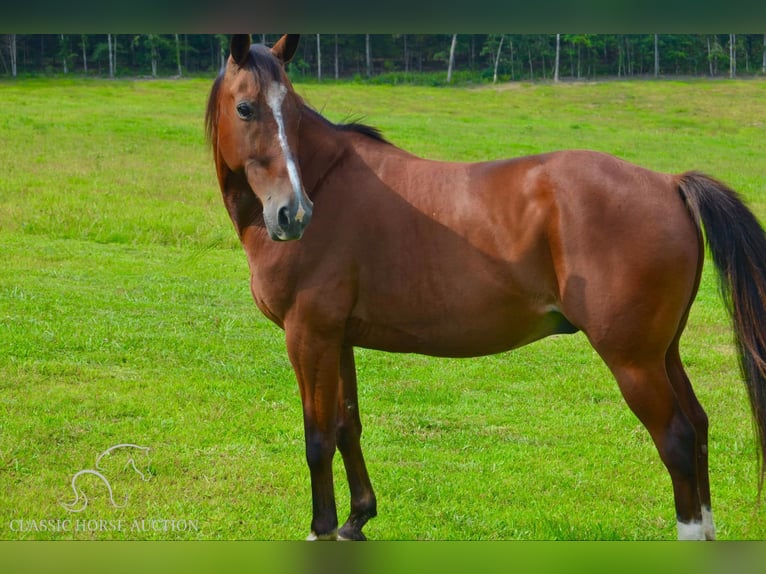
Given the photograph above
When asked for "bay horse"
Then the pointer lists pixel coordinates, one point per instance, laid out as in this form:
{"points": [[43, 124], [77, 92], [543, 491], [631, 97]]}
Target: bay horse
{"points": [[352, 241]]}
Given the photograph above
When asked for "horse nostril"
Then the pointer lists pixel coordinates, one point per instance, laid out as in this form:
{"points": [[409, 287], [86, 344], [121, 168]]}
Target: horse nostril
{"points": [[283, 217]]}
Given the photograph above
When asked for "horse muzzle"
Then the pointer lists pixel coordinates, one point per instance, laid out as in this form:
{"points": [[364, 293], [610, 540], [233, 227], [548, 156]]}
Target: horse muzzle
{"points": [[288, 221]]}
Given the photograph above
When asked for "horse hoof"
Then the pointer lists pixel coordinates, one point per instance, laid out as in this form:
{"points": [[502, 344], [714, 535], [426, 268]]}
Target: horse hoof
{"points": [[313, 537], [351, 534]]}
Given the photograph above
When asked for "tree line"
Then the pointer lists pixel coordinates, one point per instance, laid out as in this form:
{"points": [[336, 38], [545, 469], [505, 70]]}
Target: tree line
{"points": [[438, 58]]}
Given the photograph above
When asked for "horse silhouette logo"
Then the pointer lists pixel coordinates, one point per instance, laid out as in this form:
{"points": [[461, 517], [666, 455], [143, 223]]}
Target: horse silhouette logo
{"points": [[80, 501]]}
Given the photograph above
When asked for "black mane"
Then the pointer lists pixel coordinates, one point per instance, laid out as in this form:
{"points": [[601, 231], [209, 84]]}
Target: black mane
{"points": [[353, 126]]}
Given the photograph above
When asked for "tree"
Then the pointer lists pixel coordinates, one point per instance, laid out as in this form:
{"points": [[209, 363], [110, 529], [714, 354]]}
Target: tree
{"points": [[337, 62], [178, 56], [580, 56], [111, 56], [451, 58], [153, 41], [223, 48], [582, 43], [407, 55], [64, 53], [368, 55], [12, 50], [84, 42], [497, 58], [716, 55]]}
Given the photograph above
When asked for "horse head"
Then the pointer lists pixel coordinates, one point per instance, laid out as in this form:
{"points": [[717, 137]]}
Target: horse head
{"points": [[253, 121]]}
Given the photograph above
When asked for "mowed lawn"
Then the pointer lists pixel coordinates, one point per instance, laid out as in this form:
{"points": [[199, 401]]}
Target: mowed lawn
{"points": [[126, 318]]}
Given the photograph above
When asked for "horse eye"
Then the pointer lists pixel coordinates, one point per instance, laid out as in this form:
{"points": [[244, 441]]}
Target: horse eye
{"points": [[245, 111]]}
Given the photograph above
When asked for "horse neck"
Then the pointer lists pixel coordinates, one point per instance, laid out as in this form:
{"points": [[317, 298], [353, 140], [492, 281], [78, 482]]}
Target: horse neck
{"points": [[320, 148]]}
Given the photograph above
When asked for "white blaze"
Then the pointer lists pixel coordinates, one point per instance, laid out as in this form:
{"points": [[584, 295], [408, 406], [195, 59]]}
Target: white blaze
{"points": [[275, 96]]}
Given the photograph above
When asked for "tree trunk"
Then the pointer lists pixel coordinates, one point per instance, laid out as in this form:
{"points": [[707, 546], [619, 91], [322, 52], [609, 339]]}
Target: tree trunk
{"points": [[619, 60], [732, 56], [510, 46], [407, 54], [65, 55], [451, 58], [763, 67], [84, 55], [558, 57], [178, 57], [319, 59], [709, 57], [497, 58], [531, 71], [12, 49], [367, 55], [110, 54], [337, 61], [656, 56], [153, 50]]}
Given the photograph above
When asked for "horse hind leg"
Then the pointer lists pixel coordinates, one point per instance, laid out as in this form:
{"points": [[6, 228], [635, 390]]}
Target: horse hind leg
{"points": [[698, 418], [647, 388]]}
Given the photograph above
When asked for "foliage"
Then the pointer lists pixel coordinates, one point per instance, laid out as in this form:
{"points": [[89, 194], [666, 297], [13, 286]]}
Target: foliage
{"points": [[523, 56]]}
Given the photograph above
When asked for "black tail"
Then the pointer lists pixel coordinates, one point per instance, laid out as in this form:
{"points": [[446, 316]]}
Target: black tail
{"points": [[738, 246]]}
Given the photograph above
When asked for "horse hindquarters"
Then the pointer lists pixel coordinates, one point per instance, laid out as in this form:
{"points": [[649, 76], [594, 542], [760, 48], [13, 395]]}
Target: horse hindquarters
{"points": [[628, 275]]}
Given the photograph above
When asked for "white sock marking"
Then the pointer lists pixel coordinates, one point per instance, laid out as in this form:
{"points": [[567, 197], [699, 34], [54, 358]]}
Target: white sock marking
{"points": [[708, 526], [313, 537], [690, 531]]}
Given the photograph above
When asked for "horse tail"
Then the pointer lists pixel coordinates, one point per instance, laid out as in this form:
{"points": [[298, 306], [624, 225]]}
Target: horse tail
{"points": [[737, 244]]}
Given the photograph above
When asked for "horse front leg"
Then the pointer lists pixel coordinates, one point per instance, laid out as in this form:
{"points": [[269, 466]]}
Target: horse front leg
{"points": [[349, 431], [316, 362]]}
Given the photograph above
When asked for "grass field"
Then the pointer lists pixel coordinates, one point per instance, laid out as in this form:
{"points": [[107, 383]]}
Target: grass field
{"points": [[125, 317]]}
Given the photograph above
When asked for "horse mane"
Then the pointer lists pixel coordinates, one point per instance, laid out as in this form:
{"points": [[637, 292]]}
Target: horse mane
{"points": [[263, 64], [211, 115], [351, 126]]}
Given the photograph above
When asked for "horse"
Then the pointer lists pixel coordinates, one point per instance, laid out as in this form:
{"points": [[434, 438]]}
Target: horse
{"points": [[354, 242]]}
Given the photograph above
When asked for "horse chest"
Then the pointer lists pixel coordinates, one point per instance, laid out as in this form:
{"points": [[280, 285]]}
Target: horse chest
{"points": [[270, 299]]}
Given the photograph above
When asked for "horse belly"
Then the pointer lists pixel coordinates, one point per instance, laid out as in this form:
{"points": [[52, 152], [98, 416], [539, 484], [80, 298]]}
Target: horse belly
{"points": [[468, 332]]}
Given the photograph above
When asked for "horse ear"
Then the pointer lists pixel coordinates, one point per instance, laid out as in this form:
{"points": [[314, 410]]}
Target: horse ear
{"points": [[285, 48], [240, 48]]}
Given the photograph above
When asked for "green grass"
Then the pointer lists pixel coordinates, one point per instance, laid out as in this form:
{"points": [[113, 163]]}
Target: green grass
{"points": [[125, 317]]}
